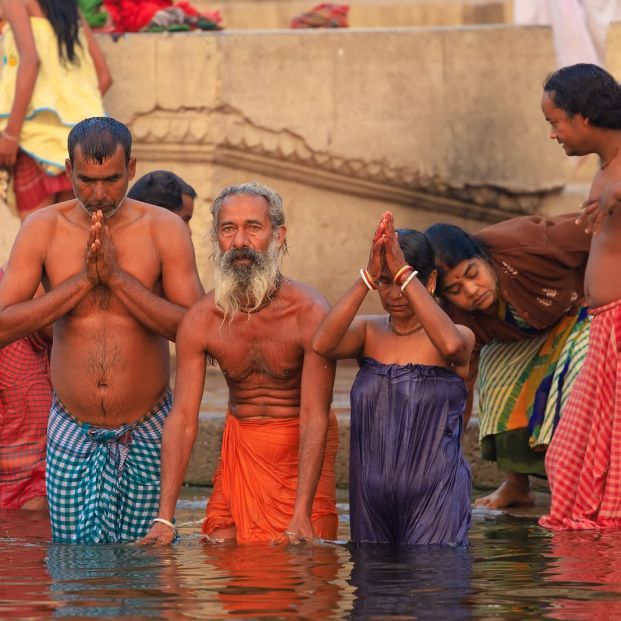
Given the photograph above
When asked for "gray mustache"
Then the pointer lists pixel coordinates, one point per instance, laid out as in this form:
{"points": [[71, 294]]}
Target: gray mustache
{"points": [[241, 253]]}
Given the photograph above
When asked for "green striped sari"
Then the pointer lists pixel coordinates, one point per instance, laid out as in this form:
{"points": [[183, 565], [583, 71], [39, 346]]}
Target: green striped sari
{"points": [[523, 388]]}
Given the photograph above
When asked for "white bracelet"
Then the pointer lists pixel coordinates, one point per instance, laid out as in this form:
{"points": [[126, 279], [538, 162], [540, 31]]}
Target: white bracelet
{"points": [[10, 137], [370, 287], [407, 280], [163, 521]]}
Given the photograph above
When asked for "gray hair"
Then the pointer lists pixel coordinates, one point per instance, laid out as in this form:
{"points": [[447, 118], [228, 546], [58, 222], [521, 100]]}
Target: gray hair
{"points": [[272, 198]]}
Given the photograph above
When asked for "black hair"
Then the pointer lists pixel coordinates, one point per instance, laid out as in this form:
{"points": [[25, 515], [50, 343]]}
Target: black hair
{"points": [[452, 245], [162, 188], [65, 19], [98, 138], [588, 90], [418, 252]]}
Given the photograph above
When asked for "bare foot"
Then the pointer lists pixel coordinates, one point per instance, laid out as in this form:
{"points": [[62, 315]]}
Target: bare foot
{"points": [[507, 495]]}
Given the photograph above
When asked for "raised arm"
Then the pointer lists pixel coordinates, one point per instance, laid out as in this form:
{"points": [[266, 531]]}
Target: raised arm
{"points": [[16, 14], [20, 314], [181, 284], [341, 334], [454, 343], [315, 402], [181, 425]]}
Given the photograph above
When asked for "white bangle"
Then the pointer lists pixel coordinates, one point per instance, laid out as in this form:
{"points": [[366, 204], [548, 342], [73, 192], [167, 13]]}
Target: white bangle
{"points": [[407, 280], [163, 521], [10, 137], [370, 287]]}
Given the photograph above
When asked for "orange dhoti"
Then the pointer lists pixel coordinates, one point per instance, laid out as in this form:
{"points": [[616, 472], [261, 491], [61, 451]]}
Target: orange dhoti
{"points": [[255, 484]]}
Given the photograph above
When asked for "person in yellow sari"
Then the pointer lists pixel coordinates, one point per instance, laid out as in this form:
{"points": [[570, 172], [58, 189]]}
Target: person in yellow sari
{"points": [[53, 76]]}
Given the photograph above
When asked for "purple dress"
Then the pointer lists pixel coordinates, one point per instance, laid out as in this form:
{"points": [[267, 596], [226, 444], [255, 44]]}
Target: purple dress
{"points": [[409, 483]]}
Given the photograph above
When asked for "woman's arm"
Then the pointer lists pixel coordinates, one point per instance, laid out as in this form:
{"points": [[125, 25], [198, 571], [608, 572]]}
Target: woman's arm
{"points": [[340, 334], [104, 78], [454, 344], [16, 14]]}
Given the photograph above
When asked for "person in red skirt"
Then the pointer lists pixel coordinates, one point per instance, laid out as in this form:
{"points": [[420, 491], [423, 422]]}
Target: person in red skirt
{"points": [[25, 401], [581, 103]]}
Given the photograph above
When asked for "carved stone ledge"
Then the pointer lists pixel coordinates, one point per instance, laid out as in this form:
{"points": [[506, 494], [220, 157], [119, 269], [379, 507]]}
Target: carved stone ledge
{"points": [[225, 137]]}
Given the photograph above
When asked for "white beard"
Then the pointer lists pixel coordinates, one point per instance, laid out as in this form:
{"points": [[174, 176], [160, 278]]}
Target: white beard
{"points": [[245, 287]]}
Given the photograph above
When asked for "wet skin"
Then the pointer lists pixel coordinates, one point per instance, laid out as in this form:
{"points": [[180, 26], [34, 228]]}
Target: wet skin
{"points": [[116, 290], [267, 360], [601, 213]]}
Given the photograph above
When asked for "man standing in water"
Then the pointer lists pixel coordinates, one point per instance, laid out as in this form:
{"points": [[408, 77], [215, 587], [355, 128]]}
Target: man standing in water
{"points": [[582, 103], [275, 478], [118, 276]]}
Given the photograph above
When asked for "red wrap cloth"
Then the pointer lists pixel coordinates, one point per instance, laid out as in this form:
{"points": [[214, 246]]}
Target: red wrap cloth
{"points": [[32, 186], [25, 401], [255, 484], [324, 15], [134, 15], [583, 462]]}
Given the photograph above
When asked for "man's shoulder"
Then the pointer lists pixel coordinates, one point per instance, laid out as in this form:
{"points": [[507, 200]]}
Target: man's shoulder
{"points": [[203, 312], [303, 294], [46, 218], [205, 304], [156, 215]]}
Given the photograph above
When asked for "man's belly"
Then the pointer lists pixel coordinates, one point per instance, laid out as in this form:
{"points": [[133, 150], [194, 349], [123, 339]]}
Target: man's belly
{"points": [[111, 374], [256, 411], [603, 272]]}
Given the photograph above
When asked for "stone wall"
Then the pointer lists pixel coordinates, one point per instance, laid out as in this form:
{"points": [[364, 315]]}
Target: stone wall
{"points": [[437, 124], [273, 14]]}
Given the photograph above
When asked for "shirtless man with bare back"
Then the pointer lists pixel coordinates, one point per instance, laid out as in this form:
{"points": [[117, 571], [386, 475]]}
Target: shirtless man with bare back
{"points": [[119, 275], [582, 103], [275, 479]]}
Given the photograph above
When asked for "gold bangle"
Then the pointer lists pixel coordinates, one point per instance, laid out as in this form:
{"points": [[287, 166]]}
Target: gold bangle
{"points": [[401, 272]]}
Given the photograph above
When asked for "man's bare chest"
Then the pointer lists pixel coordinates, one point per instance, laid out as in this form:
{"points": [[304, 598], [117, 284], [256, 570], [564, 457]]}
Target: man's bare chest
{"points": [[66, 257], [276, 355]]}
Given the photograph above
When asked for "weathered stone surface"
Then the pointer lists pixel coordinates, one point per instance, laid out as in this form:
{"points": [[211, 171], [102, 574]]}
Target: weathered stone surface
{"points": [[436, 124], [275, 14], [613, 50]]}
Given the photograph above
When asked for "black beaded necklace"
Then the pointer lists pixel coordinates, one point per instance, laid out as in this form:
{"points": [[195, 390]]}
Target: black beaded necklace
{"points": [[408, 333]]}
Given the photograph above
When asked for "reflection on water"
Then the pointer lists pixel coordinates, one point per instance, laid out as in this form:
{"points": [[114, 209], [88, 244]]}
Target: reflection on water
{"points": [[404, 583], [513, 570]]}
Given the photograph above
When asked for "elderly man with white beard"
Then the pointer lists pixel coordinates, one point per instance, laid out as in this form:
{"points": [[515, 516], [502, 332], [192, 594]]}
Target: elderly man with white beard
{"points": [[275, 479]]}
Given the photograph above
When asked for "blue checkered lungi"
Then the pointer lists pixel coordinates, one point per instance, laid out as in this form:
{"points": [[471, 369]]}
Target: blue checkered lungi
{"points": [[103, 484]]}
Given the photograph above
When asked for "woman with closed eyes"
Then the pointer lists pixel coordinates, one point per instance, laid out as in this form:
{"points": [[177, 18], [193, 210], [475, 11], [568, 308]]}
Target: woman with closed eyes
{"points": [[519, 286]]}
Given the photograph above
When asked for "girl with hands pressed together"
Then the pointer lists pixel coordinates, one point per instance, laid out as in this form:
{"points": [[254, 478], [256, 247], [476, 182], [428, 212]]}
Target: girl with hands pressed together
{"points": [[409, 481]]}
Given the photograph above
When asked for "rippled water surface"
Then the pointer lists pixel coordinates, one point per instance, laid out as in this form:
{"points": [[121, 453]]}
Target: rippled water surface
{"points": [[513, 570]]}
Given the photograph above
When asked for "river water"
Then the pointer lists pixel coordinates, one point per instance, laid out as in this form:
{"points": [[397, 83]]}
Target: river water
{"points": [[512, 570]]}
